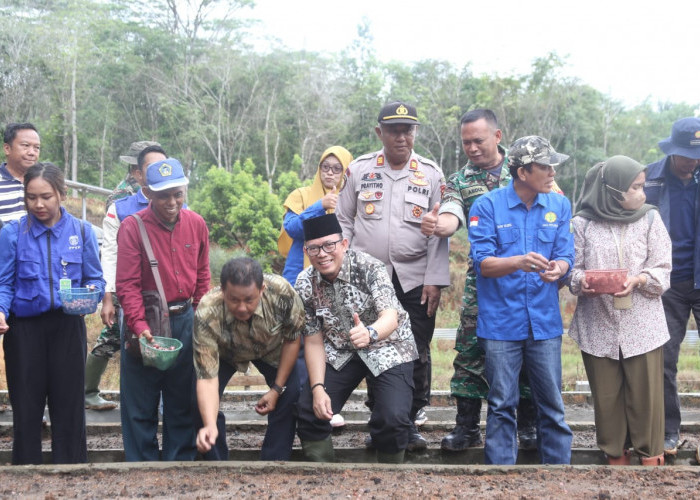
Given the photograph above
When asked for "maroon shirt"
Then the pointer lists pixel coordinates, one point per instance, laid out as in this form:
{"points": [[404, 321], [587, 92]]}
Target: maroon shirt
{"points": [[183, 262]]}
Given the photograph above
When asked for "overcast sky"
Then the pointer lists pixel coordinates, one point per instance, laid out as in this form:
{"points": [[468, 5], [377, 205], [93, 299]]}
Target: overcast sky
{"points": [[624, 49]]}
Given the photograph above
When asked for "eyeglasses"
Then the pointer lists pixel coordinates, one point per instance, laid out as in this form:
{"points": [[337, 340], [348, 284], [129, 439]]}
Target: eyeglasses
{"points": [[328, 247], [335, 168]]}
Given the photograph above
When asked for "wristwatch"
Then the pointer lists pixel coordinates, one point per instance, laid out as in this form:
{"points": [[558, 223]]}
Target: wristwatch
{"points": [[278, 389], [373, 334]]}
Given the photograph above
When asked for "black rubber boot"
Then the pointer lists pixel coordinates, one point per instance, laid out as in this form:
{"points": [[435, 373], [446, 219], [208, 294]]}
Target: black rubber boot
{"points": [[416, 442], [467, 432], [318, 451], [527, 424]]}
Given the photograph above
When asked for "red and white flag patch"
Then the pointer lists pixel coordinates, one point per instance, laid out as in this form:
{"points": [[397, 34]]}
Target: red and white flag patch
{"points": [[473, 221]]}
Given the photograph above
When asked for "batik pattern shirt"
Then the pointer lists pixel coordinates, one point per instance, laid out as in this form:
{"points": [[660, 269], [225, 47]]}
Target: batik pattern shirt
{"points": [[218, 335], [362, 286]]}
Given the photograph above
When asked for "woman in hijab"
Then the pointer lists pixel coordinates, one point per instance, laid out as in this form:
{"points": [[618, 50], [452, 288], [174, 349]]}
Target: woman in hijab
{"points": [[621, 335], [311, 201]]}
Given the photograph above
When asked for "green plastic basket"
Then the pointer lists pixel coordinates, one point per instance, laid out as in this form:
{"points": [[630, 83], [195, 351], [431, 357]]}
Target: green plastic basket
{"points": [[161, 353]]}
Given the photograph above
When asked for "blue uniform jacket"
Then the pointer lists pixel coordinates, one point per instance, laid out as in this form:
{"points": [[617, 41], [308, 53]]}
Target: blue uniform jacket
{"points": [[34, 258], [500, 225], [657, 194], [130, 205], [294, 225]]}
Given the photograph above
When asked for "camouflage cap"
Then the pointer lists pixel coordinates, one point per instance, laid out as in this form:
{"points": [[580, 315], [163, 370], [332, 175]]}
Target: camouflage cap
{"points": [[534, 149], [398, 113], [131, 157]]}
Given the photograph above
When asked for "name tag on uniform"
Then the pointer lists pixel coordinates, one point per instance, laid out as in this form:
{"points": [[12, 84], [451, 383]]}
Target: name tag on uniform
{"points": [[64, 284]]}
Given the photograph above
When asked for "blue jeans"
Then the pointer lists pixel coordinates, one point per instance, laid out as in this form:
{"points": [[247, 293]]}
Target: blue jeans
{"points": [[503, 362], [141, 388]]}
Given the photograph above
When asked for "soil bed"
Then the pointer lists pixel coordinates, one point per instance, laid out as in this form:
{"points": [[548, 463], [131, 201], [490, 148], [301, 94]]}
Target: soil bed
{"points": [[242, 480]]}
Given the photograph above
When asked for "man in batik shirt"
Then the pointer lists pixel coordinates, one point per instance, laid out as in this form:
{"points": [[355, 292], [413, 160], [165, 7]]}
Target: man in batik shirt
{"points": [[355, 328], [254, 318]]}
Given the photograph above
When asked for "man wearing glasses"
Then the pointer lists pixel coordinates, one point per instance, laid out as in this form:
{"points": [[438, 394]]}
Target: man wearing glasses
{"points": [[355, 329], [380, 209]]}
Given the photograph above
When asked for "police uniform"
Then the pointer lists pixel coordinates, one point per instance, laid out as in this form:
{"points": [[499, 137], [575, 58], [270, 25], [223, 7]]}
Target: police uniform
{"points": [[380, 211]]}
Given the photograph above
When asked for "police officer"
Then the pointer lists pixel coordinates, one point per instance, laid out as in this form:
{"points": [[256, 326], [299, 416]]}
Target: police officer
{"points": [[380, 209]]}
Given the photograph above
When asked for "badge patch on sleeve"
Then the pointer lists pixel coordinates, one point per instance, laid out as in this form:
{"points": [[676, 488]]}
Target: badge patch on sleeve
{"points": [[473, 221]]}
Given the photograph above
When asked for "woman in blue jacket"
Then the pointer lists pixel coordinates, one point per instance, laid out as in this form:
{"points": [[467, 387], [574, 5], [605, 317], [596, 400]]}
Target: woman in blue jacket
{"points": [[45, 348]]}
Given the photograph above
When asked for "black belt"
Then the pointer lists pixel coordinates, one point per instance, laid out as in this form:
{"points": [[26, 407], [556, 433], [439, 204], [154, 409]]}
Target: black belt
{"points": [[175, 308]]}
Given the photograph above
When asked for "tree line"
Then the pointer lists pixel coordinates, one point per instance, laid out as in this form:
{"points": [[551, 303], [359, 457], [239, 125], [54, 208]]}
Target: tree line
{"points": [[95, 76]]}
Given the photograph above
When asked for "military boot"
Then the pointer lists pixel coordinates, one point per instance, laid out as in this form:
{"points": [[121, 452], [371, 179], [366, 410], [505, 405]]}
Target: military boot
{"points": [[527, 424], [318, 451], [467, 433], [94, 368]]}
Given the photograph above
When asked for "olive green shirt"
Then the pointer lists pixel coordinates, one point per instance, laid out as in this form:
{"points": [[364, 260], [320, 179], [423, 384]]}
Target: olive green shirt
{"points": [[218, 335]]}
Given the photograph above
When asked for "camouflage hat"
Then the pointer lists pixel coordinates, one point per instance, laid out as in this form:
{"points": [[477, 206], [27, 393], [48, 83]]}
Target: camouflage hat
{"points": [[399, 113], [131, 157], [534, 149]]}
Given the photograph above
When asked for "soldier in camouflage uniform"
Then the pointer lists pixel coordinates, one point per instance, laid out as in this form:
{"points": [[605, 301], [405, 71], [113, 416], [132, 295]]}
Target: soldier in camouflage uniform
{"points": [[109, 342], [487, 169]]}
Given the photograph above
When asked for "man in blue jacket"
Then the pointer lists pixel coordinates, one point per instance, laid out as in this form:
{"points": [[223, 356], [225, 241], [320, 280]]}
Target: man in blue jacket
{"points": [[672, 185]]}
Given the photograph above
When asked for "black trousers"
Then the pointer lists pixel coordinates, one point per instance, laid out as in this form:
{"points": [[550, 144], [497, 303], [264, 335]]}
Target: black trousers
{"points": [[45, 361], [392, 390], [423, 328], [679, 301], [281, 422]]}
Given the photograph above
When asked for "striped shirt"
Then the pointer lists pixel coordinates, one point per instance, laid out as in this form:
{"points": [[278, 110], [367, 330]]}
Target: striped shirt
{"points": [[11, 196]]}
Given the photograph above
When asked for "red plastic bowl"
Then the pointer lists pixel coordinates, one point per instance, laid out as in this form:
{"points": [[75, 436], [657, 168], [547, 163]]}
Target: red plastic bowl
{"points": [[606, 280]]}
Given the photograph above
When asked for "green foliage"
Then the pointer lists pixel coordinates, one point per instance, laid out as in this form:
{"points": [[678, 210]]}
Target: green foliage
{"points": [[218, 256], [180, 73], [240, 210], [286, 183]]}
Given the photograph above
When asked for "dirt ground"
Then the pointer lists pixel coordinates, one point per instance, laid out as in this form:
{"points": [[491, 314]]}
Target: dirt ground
{"points": [[343, 439], [213, 480], [234, 480], [300, 480]]}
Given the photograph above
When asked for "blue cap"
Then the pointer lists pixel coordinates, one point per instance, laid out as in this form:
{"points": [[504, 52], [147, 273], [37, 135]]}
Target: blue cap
{"points": [[684, 140], [165, 174]]}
